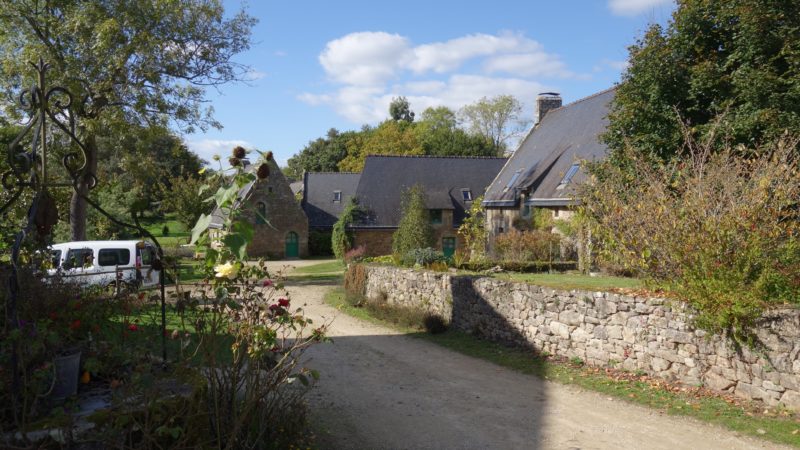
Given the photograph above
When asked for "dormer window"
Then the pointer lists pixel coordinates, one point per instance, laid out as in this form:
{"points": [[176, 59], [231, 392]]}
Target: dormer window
{"points": [[466, 195], [573, 169], [337, 196]]}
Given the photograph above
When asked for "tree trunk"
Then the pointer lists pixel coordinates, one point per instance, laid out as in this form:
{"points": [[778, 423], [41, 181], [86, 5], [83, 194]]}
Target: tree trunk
{"points": [[78, 208]]}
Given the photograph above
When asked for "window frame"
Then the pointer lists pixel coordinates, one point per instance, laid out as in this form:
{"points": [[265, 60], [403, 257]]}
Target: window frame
{"points": [[435, 216]]}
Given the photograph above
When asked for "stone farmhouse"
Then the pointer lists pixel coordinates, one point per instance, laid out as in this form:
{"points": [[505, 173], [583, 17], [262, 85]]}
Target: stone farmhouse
{"points": [[451, 184], [281, 226], [545, 168]]}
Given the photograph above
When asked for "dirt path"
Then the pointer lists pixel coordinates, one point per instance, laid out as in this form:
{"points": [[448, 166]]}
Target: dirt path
{"points": [[380, 389]]}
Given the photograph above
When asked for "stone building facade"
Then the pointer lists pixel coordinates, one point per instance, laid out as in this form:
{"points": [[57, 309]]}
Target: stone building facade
{"points": [[279, 222]]}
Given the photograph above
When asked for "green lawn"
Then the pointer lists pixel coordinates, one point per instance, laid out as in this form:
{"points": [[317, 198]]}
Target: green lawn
{"points": [[326, 268], [569, 281]]}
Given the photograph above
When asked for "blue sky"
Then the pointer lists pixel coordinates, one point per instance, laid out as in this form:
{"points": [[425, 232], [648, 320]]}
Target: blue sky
{"points": [[320, 64]]}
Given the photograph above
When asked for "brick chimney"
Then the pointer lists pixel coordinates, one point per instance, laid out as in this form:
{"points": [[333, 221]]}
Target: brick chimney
{"points": [[546, 101]]}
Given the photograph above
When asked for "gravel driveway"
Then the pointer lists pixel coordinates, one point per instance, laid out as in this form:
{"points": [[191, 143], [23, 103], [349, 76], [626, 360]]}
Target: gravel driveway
{"points": [[380, 389]]}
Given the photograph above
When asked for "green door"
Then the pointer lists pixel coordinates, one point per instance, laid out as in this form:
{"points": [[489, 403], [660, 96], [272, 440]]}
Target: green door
{"points": [[448, 246], [292, 245]]}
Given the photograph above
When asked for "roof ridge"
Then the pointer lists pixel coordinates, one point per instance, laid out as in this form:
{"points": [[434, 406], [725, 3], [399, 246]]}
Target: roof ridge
{"points": [[436, 156], [583, 99]]}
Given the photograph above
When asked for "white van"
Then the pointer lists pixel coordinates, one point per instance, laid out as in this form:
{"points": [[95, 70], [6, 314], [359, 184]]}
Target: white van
{"points": [[123, 264]]}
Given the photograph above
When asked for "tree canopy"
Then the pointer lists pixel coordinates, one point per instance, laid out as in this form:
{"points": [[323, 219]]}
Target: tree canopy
{"points": [[497, 119], [731, 66], [138, 62]]}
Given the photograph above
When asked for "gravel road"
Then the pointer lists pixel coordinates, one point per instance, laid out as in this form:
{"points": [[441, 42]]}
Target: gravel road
{"points": [[380, 389]]}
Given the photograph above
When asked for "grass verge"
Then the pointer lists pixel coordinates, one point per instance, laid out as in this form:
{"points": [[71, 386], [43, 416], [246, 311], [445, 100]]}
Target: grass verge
{"points": [[324, 267], [750, 418]]}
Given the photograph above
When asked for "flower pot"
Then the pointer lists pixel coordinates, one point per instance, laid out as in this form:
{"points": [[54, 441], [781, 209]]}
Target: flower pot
{"points": [[67, 373]]}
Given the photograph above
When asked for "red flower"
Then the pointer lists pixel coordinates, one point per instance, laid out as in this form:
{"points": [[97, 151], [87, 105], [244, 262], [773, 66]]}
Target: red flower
{"points": [[274, 307], [75, 324], [53, 316], [267, 283], [283, 302], [133, 327]]}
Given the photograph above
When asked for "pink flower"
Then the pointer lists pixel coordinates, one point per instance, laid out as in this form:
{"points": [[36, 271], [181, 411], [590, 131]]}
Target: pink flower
{"points": [[133, 327], [283, 302], [267, 283]]}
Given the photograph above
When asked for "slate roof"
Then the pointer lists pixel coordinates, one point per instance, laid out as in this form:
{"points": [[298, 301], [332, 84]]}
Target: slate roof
{"points": [[563, 137], [385, 178], [318, 202]]}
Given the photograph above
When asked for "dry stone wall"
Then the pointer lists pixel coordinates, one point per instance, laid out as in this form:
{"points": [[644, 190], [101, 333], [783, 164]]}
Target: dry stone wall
{"points": [[606, 329]]}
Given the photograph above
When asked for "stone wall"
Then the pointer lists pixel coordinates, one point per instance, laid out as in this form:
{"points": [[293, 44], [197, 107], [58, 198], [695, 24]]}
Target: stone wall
{"points": [[605, 329]]}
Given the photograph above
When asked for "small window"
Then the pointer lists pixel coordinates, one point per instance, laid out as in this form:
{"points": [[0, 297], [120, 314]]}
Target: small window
{"points": [[114, 257], [436, 216], [78, 258], [573, 169], [261, 213], [513, 179], [269, 189], [337, 196], [466, 194]]}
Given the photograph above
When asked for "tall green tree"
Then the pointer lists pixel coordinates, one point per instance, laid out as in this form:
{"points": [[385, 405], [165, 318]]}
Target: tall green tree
{"points": [[498, 119], [438, 134], [414, 230], [731, 66], [127, 61], [320, 155], [400, 109]]}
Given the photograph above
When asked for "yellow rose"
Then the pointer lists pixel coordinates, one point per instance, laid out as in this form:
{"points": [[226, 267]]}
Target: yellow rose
{"points": [[226, 270]]}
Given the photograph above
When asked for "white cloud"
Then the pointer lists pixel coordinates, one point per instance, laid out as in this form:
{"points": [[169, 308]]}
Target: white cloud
{"points": [[254, 75], [370, 68], [634, 7], [207, 148], [367, 58]]}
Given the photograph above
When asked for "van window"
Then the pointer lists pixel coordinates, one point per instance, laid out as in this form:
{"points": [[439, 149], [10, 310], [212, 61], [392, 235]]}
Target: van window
{"points": [[114, 257], [145, 255], [55, 258], [79, 257]]}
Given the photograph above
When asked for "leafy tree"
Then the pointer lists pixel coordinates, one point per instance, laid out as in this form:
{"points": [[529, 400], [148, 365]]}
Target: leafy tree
{"points": [[735, 62], [341, 240], [473, 231], [389, 138], [400, 109], [320, 155], [438, 134], [131, 62], [497, 119], [185, 199], [414, 230]]}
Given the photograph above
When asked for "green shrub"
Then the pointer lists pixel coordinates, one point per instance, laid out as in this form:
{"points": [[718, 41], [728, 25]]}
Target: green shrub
{"points": [[414, 230], [718, 229], [319, 242], [535, 245], [341, 238], [422, 257]]}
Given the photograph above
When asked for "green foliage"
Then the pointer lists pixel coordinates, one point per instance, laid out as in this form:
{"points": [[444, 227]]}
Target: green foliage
{"points": [[414, 230], [399, 109], [184, 198], [728, 67], [125, 63], [341, 238], [718, 229], [439, 135], [423, 257], [473, 231], [320, 242], [320, 155], [497, 119], [534, 245]]}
